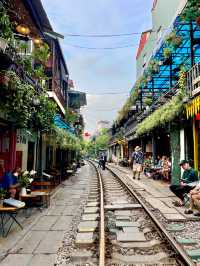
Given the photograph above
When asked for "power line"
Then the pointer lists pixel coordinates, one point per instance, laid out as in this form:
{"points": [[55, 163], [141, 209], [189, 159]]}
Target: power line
{"points": [[109, 93], [101, 48], [109, 35]]}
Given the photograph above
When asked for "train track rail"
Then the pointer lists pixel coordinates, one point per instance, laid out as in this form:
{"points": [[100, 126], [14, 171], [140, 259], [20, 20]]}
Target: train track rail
{"points": [[115, 198]]}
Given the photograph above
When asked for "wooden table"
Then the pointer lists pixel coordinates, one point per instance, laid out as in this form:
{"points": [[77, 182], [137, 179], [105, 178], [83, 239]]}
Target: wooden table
{"points": [[35, 194], [8, 214]]}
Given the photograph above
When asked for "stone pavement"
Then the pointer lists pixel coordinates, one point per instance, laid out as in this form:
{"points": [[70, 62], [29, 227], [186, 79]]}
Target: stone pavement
{"points": [[156, 193], [38, 243]]}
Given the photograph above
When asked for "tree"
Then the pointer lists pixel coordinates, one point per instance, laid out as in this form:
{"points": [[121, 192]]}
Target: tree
{"points": [[98, 143]]}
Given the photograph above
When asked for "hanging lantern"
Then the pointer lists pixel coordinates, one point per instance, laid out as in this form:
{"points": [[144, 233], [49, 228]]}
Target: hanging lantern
{"points": [[37, 41], [23, 29]]}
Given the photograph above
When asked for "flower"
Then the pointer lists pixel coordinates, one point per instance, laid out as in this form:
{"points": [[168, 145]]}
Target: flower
{"points": [[33, 172], [25, 173]]}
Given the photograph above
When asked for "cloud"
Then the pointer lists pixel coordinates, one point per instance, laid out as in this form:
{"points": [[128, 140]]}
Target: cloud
{"points": [[100, 71]]}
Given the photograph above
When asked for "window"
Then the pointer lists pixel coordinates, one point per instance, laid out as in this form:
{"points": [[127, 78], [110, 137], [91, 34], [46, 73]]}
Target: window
{"points": [[24, 47]]}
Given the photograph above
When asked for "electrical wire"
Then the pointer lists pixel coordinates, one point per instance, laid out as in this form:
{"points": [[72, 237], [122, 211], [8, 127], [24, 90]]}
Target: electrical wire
{"points": [[109, 93], [101, 48], [109, 35]]}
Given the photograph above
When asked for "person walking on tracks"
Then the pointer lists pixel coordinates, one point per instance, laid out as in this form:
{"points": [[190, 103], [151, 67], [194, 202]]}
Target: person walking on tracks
{"points": [[103, 161], [138, 160], [189, 176]]}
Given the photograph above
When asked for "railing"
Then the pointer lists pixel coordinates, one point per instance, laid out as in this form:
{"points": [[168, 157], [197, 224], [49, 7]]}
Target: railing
{"points": [[54, 86], [193, 80]]}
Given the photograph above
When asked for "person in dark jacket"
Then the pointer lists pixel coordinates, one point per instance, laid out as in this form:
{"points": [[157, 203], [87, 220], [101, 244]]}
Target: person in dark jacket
{"points": [[189, 176], [103, 161]]}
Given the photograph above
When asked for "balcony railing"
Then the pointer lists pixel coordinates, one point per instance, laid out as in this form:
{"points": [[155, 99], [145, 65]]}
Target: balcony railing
{"points": [[54, 86], [193, 80]]}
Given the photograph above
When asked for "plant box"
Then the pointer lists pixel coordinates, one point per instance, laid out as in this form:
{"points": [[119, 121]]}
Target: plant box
{"points": [[3, 44]]}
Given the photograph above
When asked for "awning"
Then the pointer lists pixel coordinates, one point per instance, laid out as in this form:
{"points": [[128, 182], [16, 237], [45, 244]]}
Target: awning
{"points": [[58, 122], [76, 99]]}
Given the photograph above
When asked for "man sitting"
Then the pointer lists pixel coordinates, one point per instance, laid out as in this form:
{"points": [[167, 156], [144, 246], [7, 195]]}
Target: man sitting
{"points": [[10, 182], [189, 176], [194, 196]]}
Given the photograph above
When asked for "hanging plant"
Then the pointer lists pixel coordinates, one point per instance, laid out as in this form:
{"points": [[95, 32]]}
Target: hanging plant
{"points": [[143, 81], [130, 102], [41, 53], [167, 52], [153, 67], [191, 11], [44, 113], [16, 99], [148, 101], [166, 113], [5, 25], [18, 103], [173, 40], [65, 140]]}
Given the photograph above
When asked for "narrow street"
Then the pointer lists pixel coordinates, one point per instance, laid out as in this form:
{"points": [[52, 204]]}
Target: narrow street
{"points": [[100, 133], [41, 242]]}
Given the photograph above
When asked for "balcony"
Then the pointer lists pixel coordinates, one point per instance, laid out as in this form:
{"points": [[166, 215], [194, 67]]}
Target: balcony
{"points": [[57, 93], [193, 80]]}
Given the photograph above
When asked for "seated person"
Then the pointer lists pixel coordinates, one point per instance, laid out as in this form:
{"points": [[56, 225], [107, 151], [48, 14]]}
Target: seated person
{"points": [[166, 168], [148, 162], [194, 197], [10, 182], [189, 176]]}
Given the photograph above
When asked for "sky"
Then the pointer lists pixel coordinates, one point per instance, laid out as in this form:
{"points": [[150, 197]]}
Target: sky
{"points": [[106, 75]]}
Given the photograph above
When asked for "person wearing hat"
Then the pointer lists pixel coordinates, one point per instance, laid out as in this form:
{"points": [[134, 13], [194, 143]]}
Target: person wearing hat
{"points": [[189, 176], [138, 160]]}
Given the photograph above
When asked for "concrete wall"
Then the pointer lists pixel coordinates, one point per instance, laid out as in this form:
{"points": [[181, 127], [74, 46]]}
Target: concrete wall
{"points": [[163, 16]]}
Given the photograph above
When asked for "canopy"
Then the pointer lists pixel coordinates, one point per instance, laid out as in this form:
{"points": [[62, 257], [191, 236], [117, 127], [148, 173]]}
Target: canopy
{"points": [[58, 122]]}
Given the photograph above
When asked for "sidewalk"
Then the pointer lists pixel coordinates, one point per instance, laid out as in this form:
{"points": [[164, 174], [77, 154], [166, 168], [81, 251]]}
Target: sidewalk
{"points": [[156, 193], [44, 232]]}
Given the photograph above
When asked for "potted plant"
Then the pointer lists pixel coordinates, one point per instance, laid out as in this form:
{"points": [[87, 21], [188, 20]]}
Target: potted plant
{"points": [[153, 67], [42, 54], [174, 40], [148, 101], [24, 181], [167, 52], [2, 196], [6, 33]]}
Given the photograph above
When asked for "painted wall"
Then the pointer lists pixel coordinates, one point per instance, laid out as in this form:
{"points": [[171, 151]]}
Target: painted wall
{"points": [[163, 16]]}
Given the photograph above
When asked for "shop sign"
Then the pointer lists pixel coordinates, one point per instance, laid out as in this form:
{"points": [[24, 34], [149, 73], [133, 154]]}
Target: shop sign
{"points": [[21, 137], [193, 108]]}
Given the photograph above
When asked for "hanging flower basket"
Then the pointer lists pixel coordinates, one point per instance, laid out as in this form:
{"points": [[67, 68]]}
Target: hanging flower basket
{"points": [[167, 52]]}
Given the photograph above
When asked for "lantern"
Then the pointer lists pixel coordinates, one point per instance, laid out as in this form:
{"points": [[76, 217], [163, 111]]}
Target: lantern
{"points": [[37, 41], [23, 29]]}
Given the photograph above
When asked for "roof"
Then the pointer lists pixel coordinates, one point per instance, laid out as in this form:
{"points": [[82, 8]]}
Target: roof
{"points": [[143, 39]]}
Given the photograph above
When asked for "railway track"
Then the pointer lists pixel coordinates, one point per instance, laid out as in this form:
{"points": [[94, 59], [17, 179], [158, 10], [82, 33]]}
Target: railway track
{"points": [[120, 229]]}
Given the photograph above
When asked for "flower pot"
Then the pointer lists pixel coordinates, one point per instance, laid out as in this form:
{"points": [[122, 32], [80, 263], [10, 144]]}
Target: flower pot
{"points": [[3, 44], [23, 191]]}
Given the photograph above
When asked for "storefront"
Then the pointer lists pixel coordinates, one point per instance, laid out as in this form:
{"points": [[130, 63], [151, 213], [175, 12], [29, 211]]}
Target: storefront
{"points": [[193, 114]]}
